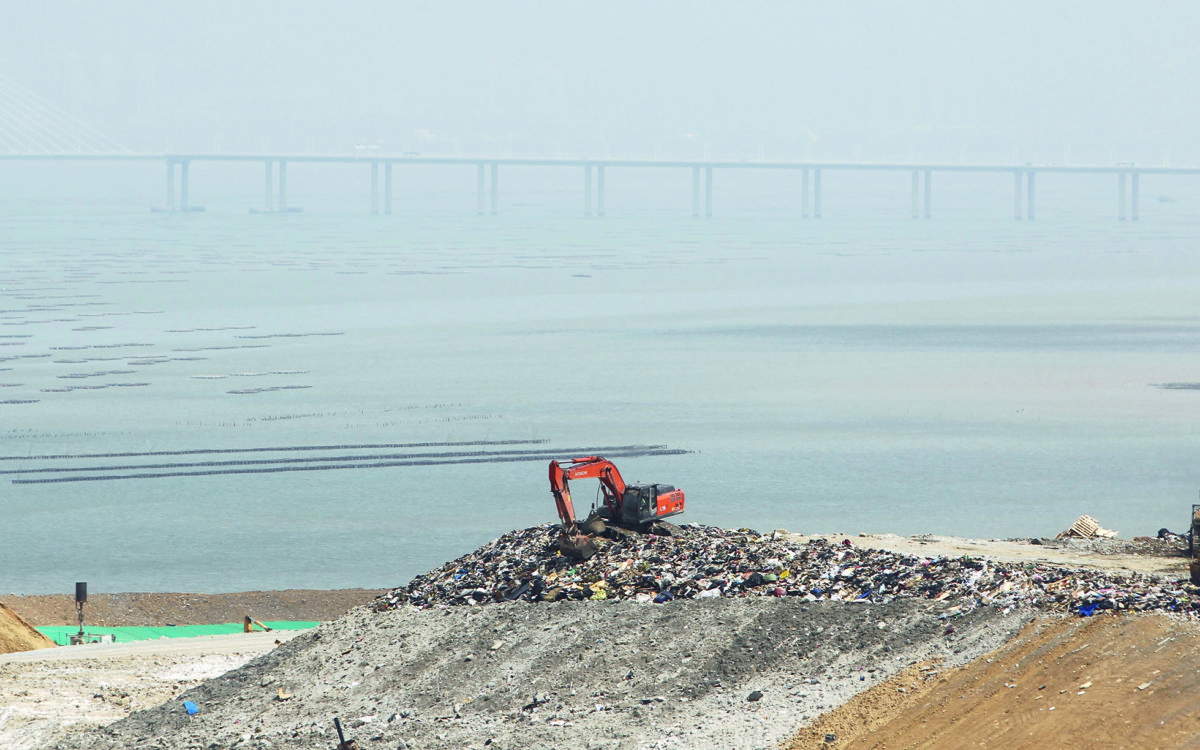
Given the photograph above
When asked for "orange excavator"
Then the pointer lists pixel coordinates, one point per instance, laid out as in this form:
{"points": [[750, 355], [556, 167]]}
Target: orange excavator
{"points": [[631, 506]]}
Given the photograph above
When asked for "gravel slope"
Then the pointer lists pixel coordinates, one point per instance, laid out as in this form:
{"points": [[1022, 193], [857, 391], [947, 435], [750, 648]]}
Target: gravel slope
{"points": [[578, 674]]}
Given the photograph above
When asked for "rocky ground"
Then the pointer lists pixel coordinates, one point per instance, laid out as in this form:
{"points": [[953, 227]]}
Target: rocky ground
{"points": [[730, 673], [745, 667]]}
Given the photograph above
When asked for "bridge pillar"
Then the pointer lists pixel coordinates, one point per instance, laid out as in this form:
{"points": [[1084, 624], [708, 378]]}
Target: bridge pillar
{"points": [[816, 193], [587, 189], [269, 192], [804, 193], [387, 188], [1134, 213], [374, 187], [479, 180], [1029, 203], [183, 185], [708, 191], [170, 185], [282, 186], [695, 191], [1017, 195], [600, 190], [495, 186], [1121, 196], [928, 193]]}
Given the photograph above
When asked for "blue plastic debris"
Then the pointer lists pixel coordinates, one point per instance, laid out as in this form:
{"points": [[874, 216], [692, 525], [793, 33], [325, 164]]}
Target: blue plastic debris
{"points": [[665, 596], [191, 708], [1087, 610]]}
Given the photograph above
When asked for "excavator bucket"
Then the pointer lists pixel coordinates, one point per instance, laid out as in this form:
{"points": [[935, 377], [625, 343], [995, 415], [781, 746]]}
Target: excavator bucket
{"points": [[576, 545], [594, 525]]}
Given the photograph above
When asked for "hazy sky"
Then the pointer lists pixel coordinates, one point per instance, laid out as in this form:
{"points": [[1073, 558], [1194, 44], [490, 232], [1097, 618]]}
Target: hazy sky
{"points": [[833, 79]]}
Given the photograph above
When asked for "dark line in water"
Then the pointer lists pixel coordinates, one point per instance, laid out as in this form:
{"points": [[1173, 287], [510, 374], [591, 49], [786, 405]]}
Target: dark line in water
{"points": [[202, 451], [380, 465], [385, 457]]}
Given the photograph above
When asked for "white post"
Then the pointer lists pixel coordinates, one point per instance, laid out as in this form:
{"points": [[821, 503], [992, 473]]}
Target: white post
{"points": [[268, 193], [587, 190], [600, 190], [387, 188], [282, 186]]}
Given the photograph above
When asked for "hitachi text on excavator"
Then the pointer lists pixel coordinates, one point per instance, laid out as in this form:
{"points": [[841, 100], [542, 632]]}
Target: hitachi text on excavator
{"points": [[630, 506]]}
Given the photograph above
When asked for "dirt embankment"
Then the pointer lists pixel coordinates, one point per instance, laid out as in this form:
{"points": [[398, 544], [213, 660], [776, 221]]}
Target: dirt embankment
{"points": [[153, 609], [18, 635], [1104, 682]]}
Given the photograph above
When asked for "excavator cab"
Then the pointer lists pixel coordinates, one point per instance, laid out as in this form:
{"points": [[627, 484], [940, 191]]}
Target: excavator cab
{"points": [[643, 503]]}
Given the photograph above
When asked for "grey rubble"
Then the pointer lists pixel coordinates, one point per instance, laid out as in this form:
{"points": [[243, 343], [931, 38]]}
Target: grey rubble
{"points": [[570, 674]]}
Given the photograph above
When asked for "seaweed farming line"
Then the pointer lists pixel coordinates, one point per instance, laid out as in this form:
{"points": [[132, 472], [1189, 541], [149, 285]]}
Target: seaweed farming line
{"points": [[498, 459], [609, 449], [349, 446]]}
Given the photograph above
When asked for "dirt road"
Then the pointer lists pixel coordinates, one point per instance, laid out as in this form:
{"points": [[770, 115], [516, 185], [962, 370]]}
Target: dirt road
{"points": [[1150, 556], [47, 694]]}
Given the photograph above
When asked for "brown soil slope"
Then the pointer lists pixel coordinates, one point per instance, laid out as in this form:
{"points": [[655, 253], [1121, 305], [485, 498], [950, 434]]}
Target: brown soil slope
{"points": [[1102, 682], [18, 635]]}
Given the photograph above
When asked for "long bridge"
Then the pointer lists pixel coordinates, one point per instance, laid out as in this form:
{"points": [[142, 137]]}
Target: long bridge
{"points": [[275, 167], [33, 129]]}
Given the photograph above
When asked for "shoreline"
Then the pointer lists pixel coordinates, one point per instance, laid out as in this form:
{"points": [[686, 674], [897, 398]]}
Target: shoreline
{"points": [[152, 609]]}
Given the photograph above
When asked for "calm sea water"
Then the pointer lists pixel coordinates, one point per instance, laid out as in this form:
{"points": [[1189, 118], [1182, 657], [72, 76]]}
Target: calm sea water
{"points": [[970, 375]]}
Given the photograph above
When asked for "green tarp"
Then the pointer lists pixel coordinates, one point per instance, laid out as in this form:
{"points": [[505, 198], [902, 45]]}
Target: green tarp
{"points": [[61, 634]]}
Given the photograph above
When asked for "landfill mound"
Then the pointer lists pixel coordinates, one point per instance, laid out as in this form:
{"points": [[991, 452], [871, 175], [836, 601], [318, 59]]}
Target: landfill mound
{"points": [[723, 672], [700, 562], [704, 638], [1102, 682], [18, 635]]}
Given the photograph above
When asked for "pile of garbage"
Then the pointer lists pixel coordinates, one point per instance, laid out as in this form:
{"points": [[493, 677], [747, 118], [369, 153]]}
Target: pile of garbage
{"points": [[701, 562]]}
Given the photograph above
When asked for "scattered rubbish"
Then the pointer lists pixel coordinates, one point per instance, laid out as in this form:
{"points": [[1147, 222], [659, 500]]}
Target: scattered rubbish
{"points": [[191, 708], [709, 562], [830, 737], [1170, 536], [1086, 527], [282, 695], [755, 696]]}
